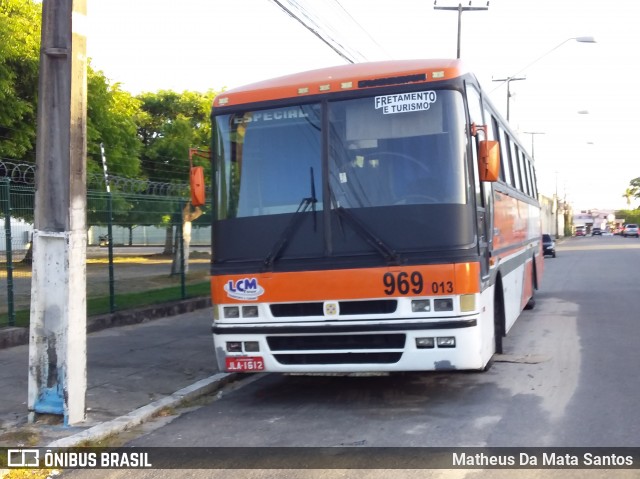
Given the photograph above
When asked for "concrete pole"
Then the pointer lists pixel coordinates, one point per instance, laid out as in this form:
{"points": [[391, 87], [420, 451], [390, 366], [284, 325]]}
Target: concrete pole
{"points": [[57, 349], [460, 9]]}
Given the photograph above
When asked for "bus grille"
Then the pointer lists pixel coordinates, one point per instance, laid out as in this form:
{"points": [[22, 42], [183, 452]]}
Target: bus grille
{"points": [[341, 358], [347, 308], [347, 341]]}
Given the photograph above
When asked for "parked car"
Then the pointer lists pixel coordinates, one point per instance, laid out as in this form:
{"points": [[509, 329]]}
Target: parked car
{"points": [[548, 246], [581, 231], [596, 231], [630, 230]]}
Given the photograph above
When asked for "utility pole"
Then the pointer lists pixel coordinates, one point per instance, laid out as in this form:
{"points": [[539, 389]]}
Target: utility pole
{"points": [[460, 9], [509, 80], [533, 135], [57, 347]]}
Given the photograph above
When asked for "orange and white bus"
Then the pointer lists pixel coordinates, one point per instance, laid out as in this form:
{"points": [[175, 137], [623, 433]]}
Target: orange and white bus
{"points": [[368, 218]]}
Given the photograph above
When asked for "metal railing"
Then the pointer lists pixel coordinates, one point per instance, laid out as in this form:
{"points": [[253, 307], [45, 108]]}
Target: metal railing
{"points": [[135, 243]]}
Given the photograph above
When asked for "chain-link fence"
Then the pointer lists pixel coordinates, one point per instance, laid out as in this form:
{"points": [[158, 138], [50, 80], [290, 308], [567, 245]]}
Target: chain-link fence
{"points": [[137, 250]]}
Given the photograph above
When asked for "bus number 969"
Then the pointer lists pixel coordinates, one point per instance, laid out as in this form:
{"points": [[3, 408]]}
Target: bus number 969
{"points": [[404, 283]]}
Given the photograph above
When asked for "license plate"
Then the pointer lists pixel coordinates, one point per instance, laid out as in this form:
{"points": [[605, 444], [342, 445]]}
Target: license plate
{"points": [[245, 364]]}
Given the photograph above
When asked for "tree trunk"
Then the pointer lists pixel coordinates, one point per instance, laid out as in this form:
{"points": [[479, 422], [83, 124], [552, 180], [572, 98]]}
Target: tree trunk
{"points": [[188, 216], [28, 257], [168, 240]]}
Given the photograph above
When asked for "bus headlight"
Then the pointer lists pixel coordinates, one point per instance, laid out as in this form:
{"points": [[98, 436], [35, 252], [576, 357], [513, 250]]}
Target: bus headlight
{"points": [[231, 312], [444, 304], [425, 343], [420, 306], [446, 342], [250, 311], [467, 302]]}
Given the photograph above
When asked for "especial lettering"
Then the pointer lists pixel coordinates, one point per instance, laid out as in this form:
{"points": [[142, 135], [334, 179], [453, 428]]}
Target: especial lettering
{"points": [[263, 116]]}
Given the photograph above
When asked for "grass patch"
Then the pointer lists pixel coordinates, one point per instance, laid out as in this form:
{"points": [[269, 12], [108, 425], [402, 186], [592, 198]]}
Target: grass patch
{"points": [[21, 437], [96, 306], [31, 473], [100, 305]]}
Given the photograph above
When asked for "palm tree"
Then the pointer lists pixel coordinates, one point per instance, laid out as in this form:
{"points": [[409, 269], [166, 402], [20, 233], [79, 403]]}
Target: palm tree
{"points": [[628, 194]]}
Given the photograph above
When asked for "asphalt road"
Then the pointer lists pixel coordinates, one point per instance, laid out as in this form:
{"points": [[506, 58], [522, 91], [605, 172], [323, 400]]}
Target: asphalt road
{"points": [[568, 378]]}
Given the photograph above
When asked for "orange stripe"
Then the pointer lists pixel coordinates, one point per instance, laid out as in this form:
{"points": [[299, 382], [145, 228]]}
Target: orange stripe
{"points": [[287, 86], [344, 284]]}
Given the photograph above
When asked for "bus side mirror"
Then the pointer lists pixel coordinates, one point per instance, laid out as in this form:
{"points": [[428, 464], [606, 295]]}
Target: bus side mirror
{"points": [[489, 160], [196, 182]]}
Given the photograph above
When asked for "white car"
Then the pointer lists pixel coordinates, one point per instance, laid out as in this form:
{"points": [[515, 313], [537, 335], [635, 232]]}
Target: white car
{"points": [[630, 230]]}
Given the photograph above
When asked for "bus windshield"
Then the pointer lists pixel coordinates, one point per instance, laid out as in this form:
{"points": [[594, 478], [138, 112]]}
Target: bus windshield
{"points": [[384, 150]]}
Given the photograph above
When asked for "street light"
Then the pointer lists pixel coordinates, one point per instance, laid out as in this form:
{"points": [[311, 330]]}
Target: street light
{"points": [[577, 39], [510, 78]]}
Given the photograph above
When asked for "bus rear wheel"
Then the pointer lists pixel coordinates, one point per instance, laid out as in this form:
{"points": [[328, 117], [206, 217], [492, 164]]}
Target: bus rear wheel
{"points": [[534, 285]]}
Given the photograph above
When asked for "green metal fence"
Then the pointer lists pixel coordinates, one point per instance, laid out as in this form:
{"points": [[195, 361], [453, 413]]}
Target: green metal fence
{"points": [[135, 249], [16, 211]]}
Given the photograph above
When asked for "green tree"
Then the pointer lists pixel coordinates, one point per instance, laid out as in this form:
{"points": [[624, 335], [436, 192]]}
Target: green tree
{"points": [[634, 188], [19, 66], [170, 124], [111, 112], [112, 121]]}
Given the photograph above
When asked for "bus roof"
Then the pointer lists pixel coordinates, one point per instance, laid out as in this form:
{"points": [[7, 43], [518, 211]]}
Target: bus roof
{"points": [[341, 78]]}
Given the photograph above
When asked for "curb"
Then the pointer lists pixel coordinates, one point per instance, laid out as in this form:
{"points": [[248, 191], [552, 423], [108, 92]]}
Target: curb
{"points": [[13, 336], [143, 414]]}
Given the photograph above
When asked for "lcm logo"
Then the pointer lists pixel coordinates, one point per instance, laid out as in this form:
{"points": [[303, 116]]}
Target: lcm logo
{"points": [[246, 289]]}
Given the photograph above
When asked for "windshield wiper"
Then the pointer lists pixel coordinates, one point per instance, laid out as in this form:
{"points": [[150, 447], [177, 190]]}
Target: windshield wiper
{"points": [[389, 254], [293, 225]]}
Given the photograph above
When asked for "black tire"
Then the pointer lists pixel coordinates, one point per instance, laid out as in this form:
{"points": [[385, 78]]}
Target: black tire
{"points": [[534, 285], [553, 256], [532, 301], [488, 366]]}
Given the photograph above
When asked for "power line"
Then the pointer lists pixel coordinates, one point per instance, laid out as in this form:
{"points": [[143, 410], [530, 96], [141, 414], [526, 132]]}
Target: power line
{"points": [[332, 28], [315, 32], [364, 30]]}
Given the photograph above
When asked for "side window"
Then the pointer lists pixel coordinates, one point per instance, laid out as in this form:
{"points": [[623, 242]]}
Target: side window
{"points": [[504, 157], [526, 186], [532, 190], [517, 182], [534, 182], [491, 131]]}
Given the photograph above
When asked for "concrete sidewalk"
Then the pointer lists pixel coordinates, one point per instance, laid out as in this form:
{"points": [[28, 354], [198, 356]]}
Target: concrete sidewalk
{"points": [[132, 372]]}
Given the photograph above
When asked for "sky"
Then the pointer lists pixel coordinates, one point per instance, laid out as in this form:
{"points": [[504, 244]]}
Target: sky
{"points": [[580, 99]]}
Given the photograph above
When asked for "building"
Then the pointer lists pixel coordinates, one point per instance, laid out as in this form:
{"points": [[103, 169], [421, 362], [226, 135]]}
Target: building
{"points": [[604, 219], [552, 217]]}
